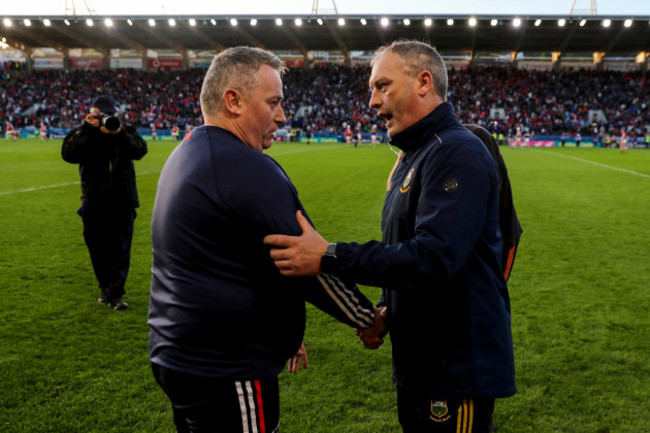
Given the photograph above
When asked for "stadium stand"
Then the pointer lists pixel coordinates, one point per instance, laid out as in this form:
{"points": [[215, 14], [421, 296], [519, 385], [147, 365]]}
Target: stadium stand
{"points": [[323, 100]]}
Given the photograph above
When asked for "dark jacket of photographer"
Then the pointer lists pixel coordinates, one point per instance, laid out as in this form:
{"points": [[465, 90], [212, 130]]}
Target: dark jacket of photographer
{"points": [[105, 164]]}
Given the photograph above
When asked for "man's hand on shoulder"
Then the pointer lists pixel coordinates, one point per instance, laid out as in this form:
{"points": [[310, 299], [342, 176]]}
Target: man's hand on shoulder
{"points": [[298, 256]]}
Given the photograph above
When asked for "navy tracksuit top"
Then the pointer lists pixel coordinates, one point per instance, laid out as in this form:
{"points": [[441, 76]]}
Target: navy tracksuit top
{"points": [[218, 305]]}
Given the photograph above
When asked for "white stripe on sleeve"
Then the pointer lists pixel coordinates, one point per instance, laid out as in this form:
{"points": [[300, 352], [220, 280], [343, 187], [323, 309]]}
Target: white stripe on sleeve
{"points": [[346, 300]]}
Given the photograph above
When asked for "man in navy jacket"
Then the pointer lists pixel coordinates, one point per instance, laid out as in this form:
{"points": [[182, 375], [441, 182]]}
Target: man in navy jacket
{"points": [[440, 260], [223, 320]]}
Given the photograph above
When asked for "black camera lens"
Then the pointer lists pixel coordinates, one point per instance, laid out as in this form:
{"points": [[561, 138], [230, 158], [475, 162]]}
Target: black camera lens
{"points": [[111, 123]]}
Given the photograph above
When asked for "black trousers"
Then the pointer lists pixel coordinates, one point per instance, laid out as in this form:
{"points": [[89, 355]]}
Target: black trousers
{"points": [[108, 232], [220, 405], [420, 413]]}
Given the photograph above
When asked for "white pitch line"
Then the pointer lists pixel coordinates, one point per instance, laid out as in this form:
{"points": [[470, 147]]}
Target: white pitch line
{"points": [[636, 173], [57, 185]]}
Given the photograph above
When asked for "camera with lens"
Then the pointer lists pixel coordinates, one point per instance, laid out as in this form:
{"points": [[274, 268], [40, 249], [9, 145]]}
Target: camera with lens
{"points": [[109, 121]]}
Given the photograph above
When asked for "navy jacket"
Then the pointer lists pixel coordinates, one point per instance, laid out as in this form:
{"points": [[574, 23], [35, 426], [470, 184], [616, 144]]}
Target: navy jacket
{"points": [[440, 264], [218, 306]]}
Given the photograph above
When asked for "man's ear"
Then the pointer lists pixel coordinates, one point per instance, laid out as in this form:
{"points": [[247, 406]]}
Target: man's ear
{"points": [[232, 101], [425, 81]]}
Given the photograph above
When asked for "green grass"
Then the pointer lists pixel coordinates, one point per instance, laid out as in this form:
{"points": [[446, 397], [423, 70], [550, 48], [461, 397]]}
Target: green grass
{"points": [[580, 298]]}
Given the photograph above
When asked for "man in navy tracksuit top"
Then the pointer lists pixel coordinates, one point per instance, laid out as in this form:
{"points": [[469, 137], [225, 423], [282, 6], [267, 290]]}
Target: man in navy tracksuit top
{"points": [[439, 264], [223, 320]]}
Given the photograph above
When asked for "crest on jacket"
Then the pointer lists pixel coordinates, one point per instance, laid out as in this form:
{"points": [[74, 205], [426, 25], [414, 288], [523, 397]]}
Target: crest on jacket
{"points": [[406, 185]]}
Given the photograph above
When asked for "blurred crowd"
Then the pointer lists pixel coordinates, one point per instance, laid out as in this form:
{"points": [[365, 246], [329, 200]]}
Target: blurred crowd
{"points": [[9, 70], [61, 99], [328, 98], [553, 103]]}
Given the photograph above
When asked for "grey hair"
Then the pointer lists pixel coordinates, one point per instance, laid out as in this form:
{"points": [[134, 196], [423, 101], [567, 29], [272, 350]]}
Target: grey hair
{"points": [[419, 56], [234, 68]]}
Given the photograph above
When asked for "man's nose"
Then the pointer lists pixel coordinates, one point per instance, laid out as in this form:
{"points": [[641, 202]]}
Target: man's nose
{"points": [[375, 101], [280, 117]]}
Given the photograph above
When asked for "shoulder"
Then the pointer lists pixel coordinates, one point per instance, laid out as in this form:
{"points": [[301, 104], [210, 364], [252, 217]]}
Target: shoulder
{"points": [[231, 155], [459, 148], [458, 140]]}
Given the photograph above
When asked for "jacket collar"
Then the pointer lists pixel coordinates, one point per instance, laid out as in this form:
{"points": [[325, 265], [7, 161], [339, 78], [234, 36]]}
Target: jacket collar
{"points": [[441, 118]]}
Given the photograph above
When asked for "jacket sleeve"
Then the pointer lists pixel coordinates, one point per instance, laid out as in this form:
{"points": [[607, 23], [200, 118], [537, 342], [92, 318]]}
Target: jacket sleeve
{"points": [[77, 144], [446, 227], [131, 144], [341, 300]]}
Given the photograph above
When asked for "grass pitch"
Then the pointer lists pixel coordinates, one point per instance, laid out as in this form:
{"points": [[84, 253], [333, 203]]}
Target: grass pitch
{"points": [[579, 289]]}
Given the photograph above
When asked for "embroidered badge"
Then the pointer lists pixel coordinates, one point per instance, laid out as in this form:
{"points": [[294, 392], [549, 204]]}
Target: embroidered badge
{"points": [[406, 185], [450, 185], [439, 411]]}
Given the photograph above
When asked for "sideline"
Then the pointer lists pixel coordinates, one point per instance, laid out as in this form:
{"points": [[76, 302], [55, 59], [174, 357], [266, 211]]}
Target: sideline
{"points": [[636, 173], [57, 185]]}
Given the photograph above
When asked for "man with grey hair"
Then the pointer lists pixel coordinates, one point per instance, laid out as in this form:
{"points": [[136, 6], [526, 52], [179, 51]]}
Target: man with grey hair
{"points": [[446, 301], [223, 320]]}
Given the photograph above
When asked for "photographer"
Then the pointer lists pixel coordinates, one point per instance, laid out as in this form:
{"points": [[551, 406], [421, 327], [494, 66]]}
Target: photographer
{"points": [[105, 149]]}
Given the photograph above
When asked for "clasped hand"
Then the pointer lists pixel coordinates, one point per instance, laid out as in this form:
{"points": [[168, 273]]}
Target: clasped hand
{"points": [[373, 337]]}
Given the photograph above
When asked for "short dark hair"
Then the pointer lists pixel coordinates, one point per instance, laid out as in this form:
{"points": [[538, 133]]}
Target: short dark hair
{"points": [[419, 56], [234, 68]]}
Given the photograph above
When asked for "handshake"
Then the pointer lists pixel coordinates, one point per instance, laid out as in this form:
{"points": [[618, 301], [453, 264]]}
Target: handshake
{"points": [[373, 337]]}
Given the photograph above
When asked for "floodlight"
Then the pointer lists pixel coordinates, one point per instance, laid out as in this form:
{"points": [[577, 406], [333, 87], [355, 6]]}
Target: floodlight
{"points": [[213, 22], [538, 22], [129, 22], [233, 22], [607, 22], [47, 22], [341, 21], [384, 22], [27, 22], [172, 22], [89, 22], [561, 22], [253, 22], [278, 21], [152, 22], [450, 22], [67, 23], [472, 22], [494, 23], [516, 22], [320, 22], [428, 22], [108, 22], [192, 22], [7, 22], [582, 23], [627, 23], [407, 22], [363, 21], [298, 22]]}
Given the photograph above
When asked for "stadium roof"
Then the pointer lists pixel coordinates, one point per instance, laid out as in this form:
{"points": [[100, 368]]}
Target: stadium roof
{"points": [[451, 33]]}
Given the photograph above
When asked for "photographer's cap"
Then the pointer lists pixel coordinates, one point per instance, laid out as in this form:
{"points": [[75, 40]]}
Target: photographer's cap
{"points": [[106, 104]]}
